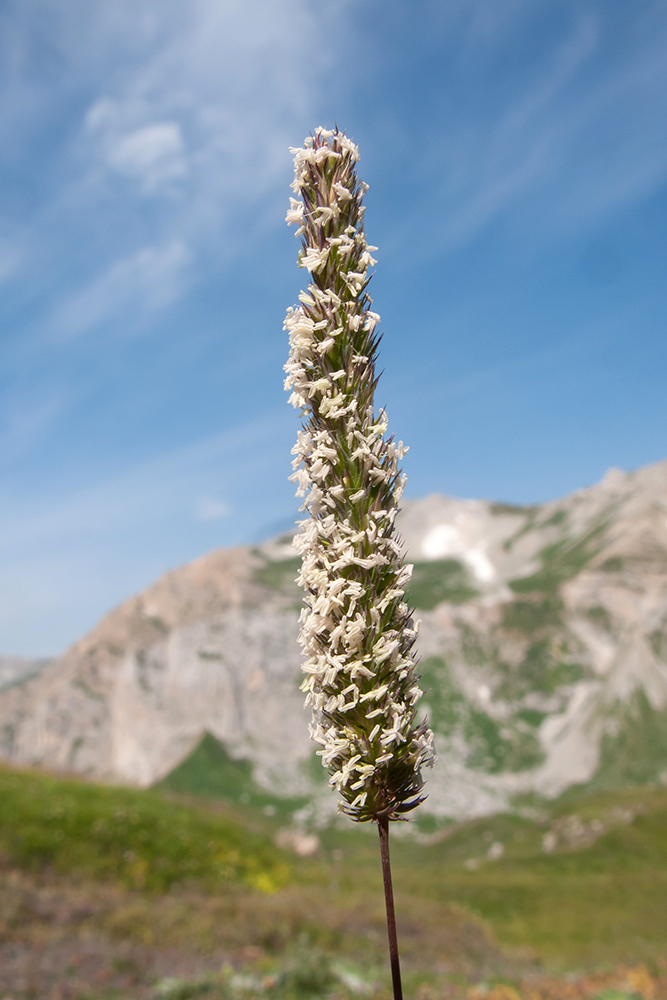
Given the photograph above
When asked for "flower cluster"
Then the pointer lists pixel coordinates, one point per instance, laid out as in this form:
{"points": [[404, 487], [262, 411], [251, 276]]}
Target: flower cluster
{"points": [[357, 631]]}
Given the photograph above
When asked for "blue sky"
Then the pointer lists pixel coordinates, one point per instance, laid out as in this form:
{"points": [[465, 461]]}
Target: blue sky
{"points": [[517, 157]]}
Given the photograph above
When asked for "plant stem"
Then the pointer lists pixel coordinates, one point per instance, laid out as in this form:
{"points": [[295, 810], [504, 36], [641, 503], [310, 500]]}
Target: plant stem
{"points": [[383, 828]]}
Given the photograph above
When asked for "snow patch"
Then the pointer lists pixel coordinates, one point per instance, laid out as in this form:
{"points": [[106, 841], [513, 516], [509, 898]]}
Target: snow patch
{"points": [[441, 541], [446, 540]]}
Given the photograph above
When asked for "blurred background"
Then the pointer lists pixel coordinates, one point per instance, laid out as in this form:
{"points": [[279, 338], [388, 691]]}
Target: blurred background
{"points": [[516, 155]]}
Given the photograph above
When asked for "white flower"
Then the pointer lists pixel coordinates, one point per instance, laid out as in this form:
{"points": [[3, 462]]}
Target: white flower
{"points": [[314, 258], [295, 213], [342, 193]]}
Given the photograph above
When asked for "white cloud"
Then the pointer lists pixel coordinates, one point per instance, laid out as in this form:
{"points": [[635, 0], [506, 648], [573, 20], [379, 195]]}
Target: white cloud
{"points": [[209, 509], [152, 154], [145, 149]]}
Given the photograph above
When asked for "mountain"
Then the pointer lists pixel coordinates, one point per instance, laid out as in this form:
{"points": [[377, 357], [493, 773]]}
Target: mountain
{"points": [[543, 644]]}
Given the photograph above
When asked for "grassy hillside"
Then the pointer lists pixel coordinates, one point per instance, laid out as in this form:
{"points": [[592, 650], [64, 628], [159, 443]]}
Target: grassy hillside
{"points": [[115, 892], [580, 883], [135, 838], [210, 773]]}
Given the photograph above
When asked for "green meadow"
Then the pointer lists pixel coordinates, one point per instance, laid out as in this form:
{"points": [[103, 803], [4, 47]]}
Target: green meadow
{"points": [[137, 839], [192, 865]]}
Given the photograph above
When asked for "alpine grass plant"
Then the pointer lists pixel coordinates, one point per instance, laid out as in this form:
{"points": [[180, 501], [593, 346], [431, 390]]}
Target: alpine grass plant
{"points": [[357, 632]]}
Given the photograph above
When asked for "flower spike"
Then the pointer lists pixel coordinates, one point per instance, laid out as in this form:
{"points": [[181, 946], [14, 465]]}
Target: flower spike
{"points": [[357, 632]]}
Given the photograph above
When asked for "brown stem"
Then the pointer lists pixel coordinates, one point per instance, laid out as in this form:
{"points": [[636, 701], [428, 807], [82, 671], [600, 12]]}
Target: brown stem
{"points": [[383, 827]]}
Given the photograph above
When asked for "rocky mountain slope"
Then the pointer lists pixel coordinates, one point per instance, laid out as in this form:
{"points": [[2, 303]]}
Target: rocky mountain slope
{"points": [[543, 643]]}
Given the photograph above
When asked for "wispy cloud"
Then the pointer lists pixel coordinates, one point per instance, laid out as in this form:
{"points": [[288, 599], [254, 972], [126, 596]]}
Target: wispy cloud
{"points": [[213, 105], [133, 289], [210, 509], [164, 486], [582, 138], [153, 155], [523, 145], [10, 259]]}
